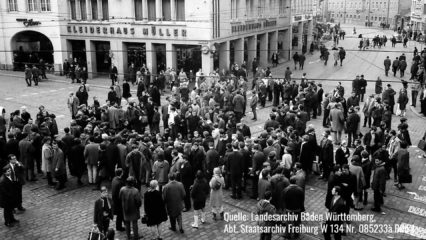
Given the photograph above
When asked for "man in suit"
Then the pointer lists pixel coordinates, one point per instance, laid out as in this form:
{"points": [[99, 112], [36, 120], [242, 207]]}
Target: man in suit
{"points": [[8, 196], [371, 141], [253, 104], [103, 211], [387, 64], [368, 109], [336, 209], [116, 185], [378, 184], [258, 159], [212, 160], [234, 166], [293, 203], [18, 178], [131, 201], [326, 154], [113, 74], [73, 104], [337, 120], [320, 92], [307, 154], [91, 156], [165, 114], [388, 96], [173, 195]]}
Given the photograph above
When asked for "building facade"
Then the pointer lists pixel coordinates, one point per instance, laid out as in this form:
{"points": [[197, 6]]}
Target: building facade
{"points": [[302, 22], [189, 34], [30, 31], [363, 12], [418, 15]]}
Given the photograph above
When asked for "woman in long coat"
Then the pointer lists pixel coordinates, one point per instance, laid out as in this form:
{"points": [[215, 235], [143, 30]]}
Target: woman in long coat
{"points": [[199, 193], [402, 101], [217, 183], [126, 90], [76, 160], [155, 209], [46, 160]]}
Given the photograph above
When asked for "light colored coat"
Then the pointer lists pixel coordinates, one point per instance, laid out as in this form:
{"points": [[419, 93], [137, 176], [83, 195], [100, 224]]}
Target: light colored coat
{"points": [[337, 120], [73, 105], [46, 158], [216, 196]]}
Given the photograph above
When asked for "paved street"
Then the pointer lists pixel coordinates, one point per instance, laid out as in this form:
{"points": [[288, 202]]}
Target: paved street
{"points": [[68, 214]]}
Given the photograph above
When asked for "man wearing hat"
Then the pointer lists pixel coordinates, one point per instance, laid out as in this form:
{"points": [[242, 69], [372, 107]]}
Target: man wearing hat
{"points": [[352, 125], [8, 196], [389, 96], [387, 64], [355, 86]]}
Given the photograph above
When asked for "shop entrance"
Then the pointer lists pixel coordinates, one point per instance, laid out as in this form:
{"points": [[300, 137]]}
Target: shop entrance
{"points": [[160, 64], [78, 51], [103, 57], [136, 53], [188, 57], [29, 47]]}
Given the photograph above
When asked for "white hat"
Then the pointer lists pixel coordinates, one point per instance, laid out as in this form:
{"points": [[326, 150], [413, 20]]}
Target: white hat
{"points": [[24, 107], [104, 136]]}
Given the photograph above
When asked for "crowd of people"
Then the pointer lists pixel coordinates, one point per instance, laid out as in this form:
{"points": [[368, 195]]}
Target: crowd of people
{"points": [[202, 147]]}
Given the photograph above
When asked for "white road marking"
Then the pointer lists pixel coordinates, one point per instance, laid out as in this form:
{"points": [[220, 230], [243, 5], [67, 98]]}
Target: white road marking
{"points": [[53, 90], [60, 116], [9, 98], [34, 93], [315, 61]]}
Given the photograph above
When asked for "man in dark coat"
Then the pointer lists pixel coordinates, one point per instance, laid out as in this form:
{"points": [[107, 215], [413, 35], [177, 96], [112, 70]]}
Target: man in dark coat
{"points": [[352, 125], [113, 74], [8, 196], [234, 166], [378, 184], [348, 183], [116, 185], [336, 209], [307, 154], [388, 96], [362, 88], [293, 200], [212, 160], [257, 162], [387, 64], [103, 211], [173, 195], [326, 154], [186, 177], [131, 201], [76, 160]]}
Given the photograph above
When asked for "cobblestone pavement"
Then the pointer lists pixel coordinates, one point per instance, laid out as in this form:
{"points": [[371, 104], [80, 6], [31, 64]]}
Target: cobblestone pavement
{"points": [[68, 214]]}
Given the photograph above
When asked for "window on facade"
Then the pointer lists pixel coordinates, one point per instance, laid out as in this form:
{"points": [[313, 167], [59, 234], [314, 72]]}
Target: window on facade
{"points": [[180, 10], [151, 10], [45, 5], [32, 5], [94, 9], [73, 10], [138, 10], [105, 13], [83, 10], [424, 9], [281, 6], [13, 6], [167, 13]]}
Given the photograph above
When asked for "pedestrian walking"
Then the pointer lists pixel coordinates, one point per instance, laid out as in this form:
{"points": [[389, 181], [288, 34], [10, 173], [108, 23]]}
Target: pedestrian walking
{"points": [[36, 73], [295, 60], [199, 192], [253, 104], [28, 75], [113, 74], [387, 63], [116, 185], [378, 185], [217, 183], [8, 196], [302, 59]]}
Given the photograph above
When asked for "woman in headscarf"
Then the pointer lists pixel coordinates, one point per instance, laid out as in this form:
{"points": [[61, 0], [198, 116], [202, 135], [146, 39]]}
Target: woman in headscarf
{"points": [[217, 183]]}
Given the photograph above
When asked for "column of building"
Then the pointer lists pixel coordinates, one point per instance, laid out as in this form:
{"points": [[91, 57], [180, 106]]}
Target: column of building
{"points": [[300, 36], [263, 49], [310, 34], [224, 55], [252, 50]]}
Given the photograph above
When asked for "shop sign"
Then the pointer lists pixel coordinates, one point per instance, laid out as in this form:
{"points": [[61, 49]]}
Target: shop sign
{"points": [[152, 31], [28, 22], [299, 18], [238, 28]]}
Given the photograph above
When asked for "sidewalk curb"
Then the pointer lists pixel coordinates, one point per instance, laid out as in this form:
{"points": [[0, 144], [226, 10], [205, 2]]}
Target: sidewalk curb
{"points": [[417, 113]]}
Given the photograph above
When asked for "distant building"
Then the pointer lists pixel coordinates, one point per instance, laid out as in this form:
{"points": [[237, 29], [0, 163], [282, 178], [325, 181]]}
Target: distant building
{"points": [[418, 15], [363, 12], [302, 21]]}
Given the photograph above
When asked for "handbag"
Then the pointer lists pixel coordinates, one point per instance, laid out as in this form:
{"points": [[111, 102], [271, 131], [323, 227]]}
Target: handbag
{"points": [[422, 145], [406, 178], [95, 234], [316, 168]]}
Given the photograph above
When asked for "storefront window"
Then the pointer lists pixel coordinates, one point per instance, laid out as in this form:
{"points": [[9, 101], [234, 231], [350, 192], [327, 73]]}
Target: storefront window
{"points": [[188, 57], [136, 54]]}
